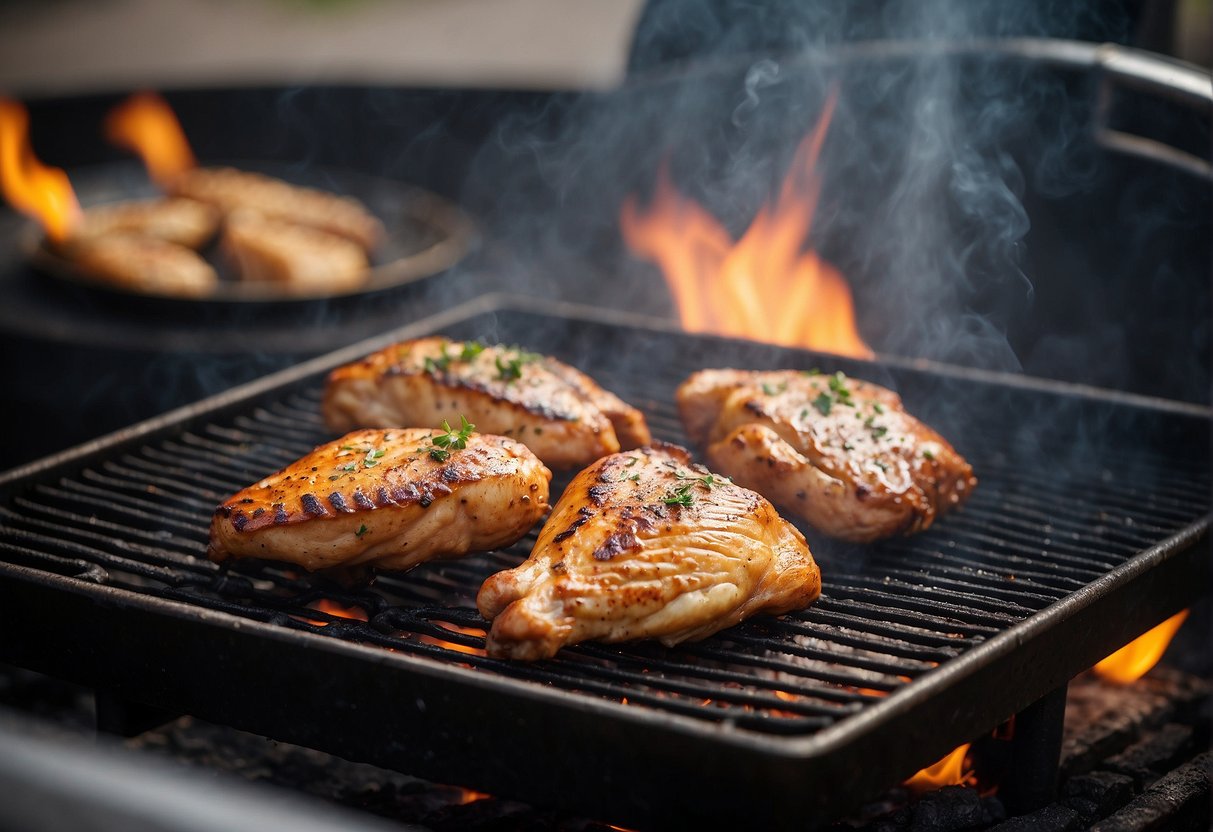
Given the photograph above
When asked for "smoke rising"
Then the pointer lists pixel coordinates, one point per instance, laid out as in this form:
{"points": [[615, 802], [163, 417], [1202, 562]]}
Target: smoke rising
{"points": [[937, 151]]}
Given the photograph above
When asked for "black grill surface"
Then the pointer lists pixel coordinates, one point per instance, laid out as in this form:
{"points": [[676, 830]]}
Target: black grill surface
{"points": [[1087, 527]]}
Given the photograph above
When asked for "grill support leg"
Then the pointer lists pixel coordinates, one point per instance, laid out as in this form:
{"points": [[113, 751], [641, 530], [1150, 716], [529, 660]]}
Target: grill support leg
{"points": [[1031, 782]]}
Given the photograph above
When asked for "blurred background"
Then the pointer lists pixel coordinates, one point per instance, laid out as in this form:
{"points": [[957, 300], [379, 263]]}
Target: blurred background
{"points": [[86, 45]]}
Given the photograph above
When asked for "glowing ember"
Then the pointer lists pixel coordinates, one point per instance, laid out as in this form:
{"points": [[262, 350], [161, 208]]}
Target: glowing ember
{"points": [[1131, 662], [467, 796], [145, 124], [34, 189], [950, 771], [763, 286]]}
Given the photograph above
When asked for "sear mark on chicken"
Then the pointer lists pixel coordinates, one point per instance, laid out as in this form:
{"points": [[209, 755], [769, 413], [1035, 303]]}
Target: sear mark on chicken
{"points": [[557, 411], [623, 556], [386, 498], [841, 453]]}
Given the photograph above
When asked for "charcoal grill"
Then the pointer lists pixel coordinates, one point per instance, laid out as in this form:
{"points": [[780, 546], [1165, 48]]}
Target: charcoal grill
{"points": [[1088, 527]]}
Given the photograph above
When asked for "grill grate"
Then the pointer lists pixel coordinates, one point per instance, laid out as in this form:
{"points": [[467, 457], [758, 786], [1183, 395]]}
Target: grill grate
{"points": [[1053, 514]]}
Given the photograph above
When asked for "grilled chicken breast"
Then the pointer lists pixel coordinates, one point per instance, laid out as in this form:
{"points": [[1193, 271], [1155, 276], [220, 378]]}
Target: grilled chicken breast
{"points": [[298, 258], [181, 221], [647, 545], [839, 452], [230, 190], [386, 498], [559, 412], [145, 264]]}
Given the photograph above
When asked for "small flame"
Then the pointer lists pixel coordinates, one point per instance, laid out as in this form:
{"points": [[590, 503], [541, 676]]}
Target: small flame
{"points": [[467, 796], [145, 124], [763, 286], [949, 771], [34, 189], [333, 608], [450, 645], [1134, 660]]}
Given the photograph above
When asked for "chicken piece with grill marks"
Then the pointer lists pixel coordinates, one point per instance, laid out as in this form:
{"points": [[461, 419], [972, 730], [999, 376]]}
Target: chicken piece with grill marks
{"points": [[558, 411], [389, 499], [646, 544], [839, 452]]}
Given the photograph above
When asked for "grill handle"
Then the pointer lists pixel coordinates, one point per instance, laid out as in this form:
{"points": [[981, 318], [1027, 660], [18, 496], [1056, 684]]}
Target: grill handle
{"points": [[1118, 67]]}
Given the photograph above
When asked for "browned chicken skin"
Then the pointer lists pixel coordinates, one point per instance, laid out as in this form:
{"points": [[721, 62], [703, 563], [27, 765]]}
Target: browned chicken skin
{"points": [[231, 190], [558, 411], [839, 452], [646, 544], [145, 264], [386, 498], [174, 220]]}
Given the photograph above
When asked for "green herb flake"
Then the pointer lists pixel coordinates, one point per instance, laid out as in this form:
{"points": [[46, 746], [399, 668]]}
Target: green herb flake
{"points": [[876, 406], [813, 372], [471, 349], [927, 453], [823, 403], [839, 386], [443, 443], [361, 530], [774, 389], [509, 370], [679, 497]]}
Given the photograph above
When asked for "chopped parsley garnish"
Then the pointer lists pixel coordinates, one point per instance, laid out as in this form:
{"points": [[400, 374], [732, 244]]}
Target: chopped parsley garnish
{"points": [[437, 365], [823, 403], [471, 349], [839, 386], [443, 443], [774, 389], [878, 431], [876, 406], [679, 497], [927, 453], [361, 530], [372, 458], [510, 369], [711, 480], [632, 460]]}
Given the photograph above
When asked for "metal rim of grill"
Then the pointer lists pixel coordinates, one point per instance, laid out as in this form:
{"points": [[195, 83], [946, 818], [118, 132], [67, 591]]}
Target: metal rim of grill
{"points": [[964, 620]]}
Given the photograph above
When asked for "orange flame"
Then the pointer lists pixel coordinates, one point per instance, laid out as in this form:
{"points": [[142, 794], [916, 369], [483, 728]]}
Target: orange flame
{"points": [[145, 124], [34, 189], [1131, 662], [763, 286], [333, 608], [467, 796], [450, 645], [949, 771]]}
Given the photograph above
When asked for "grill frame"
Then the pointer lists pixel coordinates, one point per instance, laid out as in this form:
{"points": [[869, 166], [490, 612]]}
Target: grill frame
{"points": [[452, 724]]}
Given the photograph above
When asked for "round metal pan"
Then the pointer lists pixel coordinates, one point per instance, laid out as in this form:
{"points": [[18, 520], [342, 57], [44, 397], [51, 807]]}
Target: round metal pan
{"points": [[426, 234]]}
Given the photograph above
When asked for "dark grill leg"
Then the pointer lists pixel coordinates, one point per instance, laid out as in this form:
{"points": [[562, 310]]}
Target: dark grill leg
{"points": [[1031, 781]]}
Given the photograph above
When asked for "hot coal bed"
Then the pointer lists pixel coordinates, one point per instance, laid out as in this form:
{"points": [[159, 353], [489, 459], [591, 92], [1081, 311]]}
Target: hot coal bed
{"points": [[1089, 526]]}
